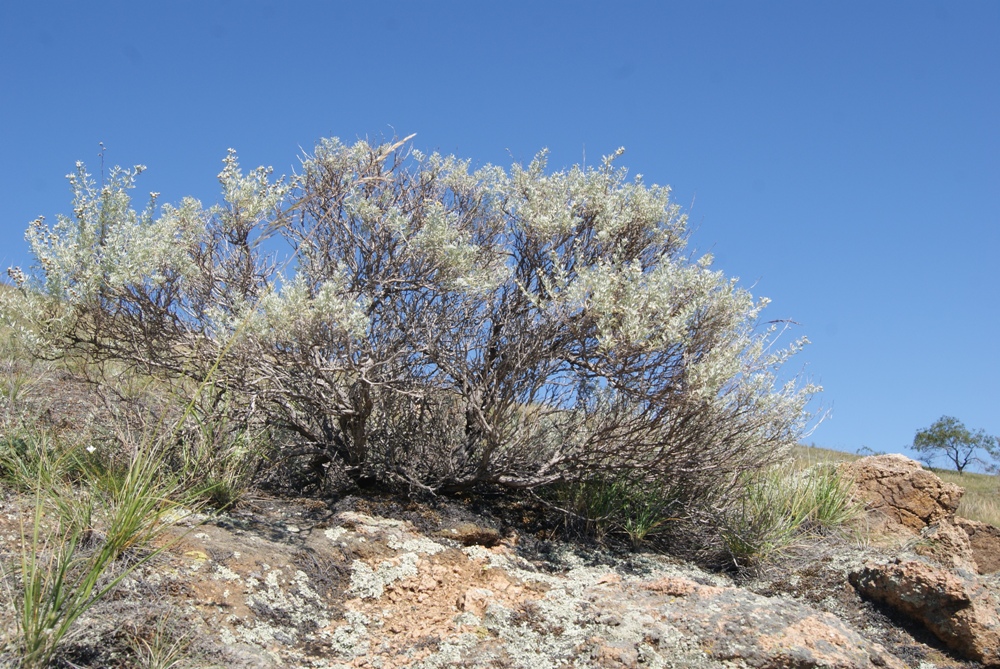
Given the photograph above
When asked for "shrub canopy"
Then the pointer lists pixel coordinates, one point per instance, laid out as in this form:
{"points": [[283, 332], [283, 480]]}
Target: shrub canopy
{"points": [[409, 318]]}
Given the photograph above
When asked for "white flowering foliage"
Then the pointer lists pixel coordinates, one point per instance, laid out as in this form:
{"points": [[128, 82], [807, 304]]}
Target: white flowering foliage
{"points": [[106, 245], [415, 319], [250, 198], [298, 312]]}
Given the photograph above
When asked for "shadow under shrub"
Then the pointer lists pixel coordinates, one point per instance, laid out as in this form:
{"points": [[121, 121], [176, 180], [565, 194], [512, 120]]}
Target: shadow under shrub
{"points": [[433, 325], [619, 508]]}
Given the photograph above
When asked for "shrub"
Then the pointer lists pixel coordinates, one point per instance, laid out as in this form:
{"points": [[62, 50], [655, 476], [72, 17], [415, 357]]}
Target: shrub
{"points": [[409, 319]]}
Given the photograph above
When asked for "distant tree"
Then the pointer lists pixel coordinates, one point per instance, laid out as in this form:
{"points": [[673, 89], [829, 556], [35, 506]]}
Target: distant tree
{"points": [[949, 437]]}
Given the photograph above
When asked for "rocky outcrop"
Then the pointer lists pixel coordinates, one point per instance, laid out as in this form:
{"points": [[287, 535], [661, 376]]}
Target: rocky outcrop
{"points": [[490, 606], [946, 543], [733, 624], [900, 495], [936, 579], [367, 582], [355, 589], [959, 608]]}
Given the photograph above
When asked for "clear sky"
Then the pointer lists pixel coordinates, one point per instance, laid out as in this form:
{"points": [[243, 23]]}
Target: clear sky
{"points": [[841, 158]]}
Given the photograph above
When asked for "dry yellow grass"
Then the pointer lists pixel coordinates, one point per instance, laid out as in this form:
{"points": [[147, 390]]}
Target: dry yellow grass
{"points": [[982, 495], [807, 456]]}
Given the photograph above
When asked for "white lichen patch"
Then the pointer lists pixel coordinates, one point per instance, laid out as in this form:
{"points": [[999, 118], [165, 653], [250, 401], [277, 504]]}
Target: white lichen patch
{"points": [[289, 599], [368, 583], [449, 653], [364, 582], [478, 553], [261, 633], [466, 619], [350, 639], [224, 573], [305, 588], [564, 622], [227, 637], [420, 545], [336, 534]]}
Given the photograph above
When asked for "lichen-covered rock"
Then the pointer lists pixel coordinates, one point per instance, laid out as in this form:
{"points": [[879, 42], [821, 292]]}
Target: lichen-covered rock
{"points": [[947, 543], [901, 496], [358, 586], [956, 605], [471, 534], [732, 624]]}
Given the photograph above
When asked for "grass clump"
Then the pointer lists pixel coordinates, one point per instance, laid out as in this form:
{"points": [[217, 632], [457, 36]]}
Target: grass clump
{"points": [[617, 507], [218, 459], [88, 527], [782, 506], [91, 503], [159, 646], [93, 495]]}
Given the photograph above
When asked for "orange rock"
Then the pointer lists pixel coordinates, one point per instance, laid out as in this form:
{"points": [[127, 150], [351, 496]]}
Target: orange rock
{"points": [[675, 587], [984, 541], [902, 496], [959, 610]]}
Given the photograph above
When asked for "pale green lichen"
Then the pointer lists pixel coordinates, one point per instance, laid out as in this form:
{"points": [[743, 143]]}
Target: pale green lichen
{"points": [[351, 638], [224, 573], [289, 597], [420, 545], [368, 583], [335, 534]]}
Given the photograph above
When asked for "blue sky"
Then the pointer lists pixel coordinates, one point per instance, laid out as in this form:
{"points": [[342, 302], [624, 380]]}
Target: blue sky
{"points": [[841, 158]]}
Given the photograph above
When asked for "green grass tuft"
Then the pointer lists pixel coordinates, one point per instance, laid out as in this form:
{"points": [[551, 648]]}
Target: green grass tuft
{"points": [[785, 505], [98, 535], [617, 506]]}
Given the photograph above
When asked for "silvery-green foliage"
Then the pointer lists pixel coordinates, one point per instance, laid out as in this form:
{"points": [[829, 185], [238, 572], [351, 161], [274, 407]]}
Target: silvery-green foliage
{"points": [[156, 292], [602, 346], [296, 311], [102, 250], [424, 321], [186, 273]]}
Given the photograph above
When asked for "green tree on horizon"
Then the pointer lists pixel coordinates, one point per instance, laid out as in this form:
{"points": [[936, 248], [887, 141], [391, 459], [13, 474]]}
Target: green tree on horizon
{"points": [[948, 436]]}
